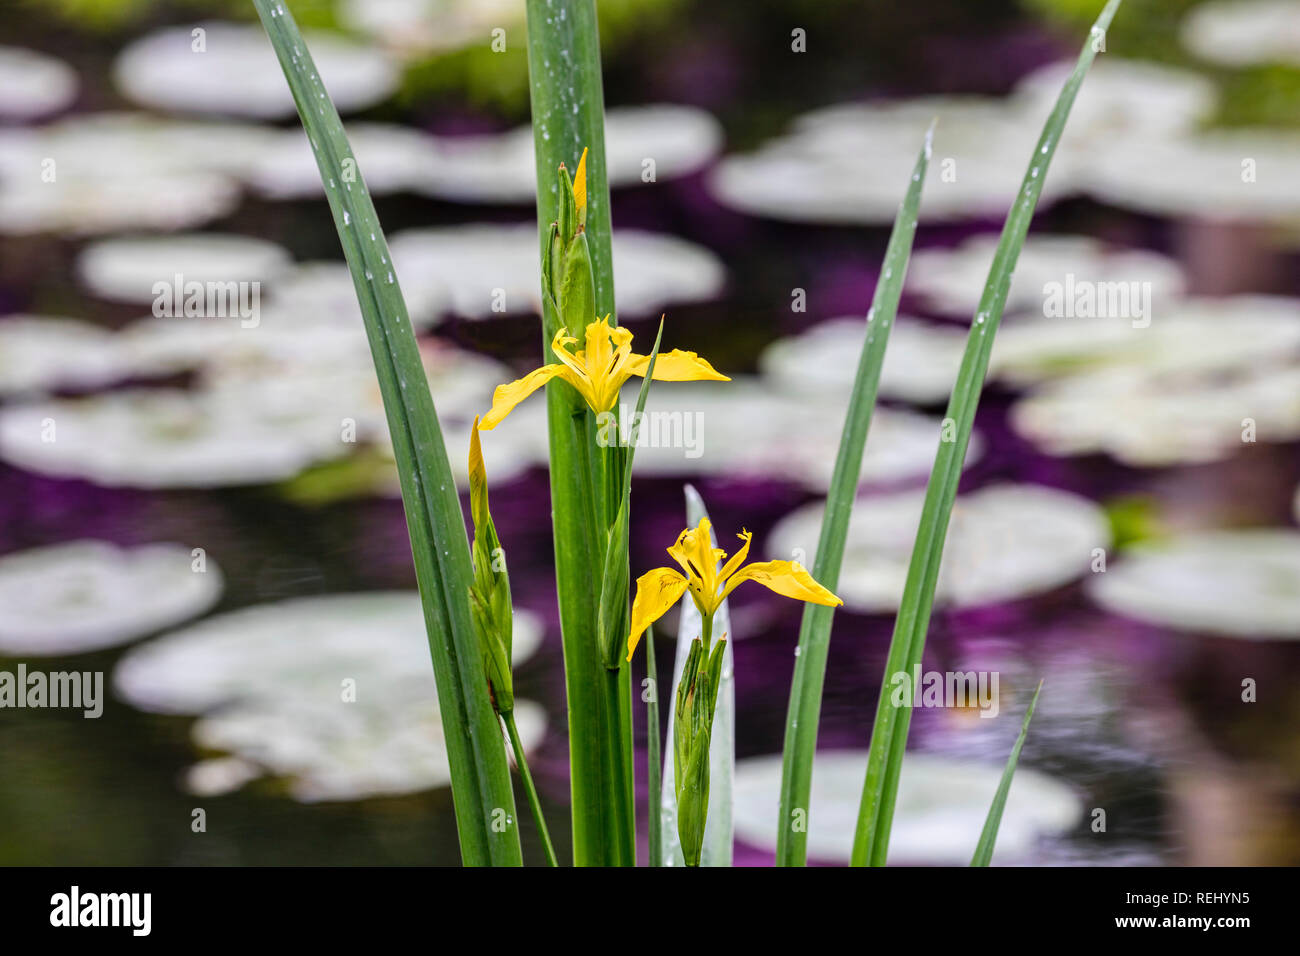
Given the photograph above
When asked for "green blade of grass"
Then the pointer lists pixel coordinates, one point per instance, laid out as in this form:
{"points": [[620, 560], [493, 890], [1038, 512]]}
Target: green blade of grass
{"points": [[815, 630], [719, 826], [481, 786], [889, 735], [568, 116], [984, 849]]}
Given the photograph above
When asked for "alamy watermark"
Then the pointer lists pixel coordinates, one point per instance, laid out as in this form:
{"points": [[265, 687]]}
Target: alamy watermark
{"points": [[1086, 299], [76, 690], [209, 300], [683, 430], [975, 689]]}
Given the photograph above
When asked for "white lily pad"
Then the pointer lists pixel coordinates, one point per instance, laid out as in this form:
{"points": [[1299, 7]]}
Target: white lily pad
{"points": [[324, 293], [41, 353], [1198, 335], [952, 280], [88, 206], [389, 158], [460, 382], [280, 338], [1238, 175], [745, 428], [166, 438], [335, 692], [1229, 583], [1244, 32], [1121, 98], [852, 163], [942, 804], [86, 595], [1005, 542], [920, 363], [130, 269], [235, 72], [1152, 419], [34, 84], [293, 648], [118, 146], [332, 751], [423, 26], [489, 270], [500, 168], [220, 775]]}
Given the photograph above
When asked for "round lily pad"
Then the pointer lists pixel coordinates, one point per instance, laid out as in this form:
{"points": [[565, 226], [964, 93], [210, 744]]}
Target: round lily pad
{"points": [[33, 84], [231, 69], [942, 805], [952, 280], [852, 163], [134, 269], [488, 270], [1239, 175], [40, 353], [414, 27], [1005, 542], [336, 693], [164, 438], [920, 364], [745, 428], [1152, 419], [1244, 32], [390, 158], [1121, 98], [643, 144], [1227, 583], [87, 595]]}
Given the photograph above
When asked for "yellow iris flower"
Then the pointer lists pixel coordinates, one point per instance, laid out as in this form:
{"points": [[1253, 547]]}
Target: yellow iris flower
{"points": [[598, 370], [660, 589]]}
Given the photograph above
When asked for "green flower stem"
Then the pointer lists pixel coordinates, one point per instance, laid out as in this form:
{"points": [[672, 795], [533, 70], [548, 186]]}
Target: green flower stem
{"points": [[568, 116], [531, 791]]}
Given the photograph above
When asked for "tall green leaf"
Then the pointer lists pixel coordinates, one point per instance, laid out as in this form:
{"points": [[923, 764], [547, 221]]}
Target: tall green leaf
{"points": [[804, 710], [481, 785], [719, 828], [984, 849], [568, 116], [889, 735]]}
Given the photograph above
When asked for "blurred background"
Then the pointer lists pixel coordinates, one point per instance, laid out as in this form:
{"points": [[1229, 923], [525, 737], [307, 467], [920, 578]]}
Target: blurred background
{"points": [[203, 509]]}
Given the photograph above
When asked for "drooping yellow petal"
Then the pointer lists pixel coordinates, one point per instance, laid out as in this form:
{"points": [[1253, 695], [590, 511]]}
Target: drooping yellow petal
{"points": [[656, 592], [507, 396], [580, 186], [676, 366], [788, 578]]}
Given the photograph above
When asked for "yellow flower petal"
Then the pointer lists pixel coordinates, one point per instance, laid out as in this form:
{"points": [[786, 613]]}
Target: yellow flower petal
{"points": [[656, 592], [597, 352], [787, 578], [507, 396], [580, 184], [737, 559], [677, 366], [478, 502]]}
